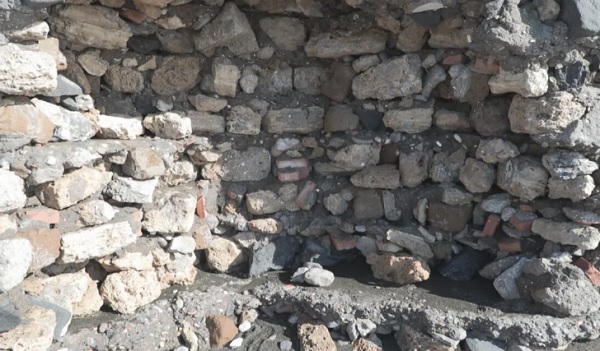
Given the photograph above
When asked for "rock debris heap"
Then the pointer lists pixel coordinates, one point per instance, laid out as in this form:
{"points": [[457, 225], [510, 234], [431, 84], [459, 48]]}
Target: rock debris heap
{"points": [[142, 139]]}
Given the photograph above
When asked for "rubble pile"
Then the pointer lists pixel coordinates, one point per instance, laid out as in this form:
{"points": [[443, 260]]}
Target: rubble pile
{"points": [[141, 141]]}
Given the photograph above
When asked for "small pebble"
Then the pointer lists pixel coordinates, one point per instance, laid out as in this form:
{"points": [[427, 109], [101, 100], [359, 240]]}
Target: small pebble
{"points": [[244, 326], [236, 343], [285, 345], [293, 319]]}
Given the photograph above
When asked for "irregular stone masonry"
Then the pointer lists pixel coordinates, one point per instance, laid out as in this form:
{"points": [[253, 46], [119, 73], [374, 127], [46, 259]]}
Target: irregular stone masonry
{"points": [[423, 135]]}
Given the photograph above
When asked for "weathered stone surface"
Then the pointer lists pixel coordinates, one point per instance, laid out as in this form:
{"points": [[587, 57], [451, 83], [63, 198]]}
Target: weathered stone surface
{"points": [[243, 120], [532, 82], [563, 164], [351, 158], [294, 120], [26, 72], [12, 192], [523, 176], [205, 103], [414, 167], [97, 241], [69, 125], [221, 328], [73, 187], [22, 123], [377, 177], [95, 212], [367, 205], [45, 245], [203, 123], [449, 218], [575, 189], [81, 298], [413, 243], [226, 78], [124, 79], [173, 213], [169, 125], [451, 120], [333, 45], [264, 202], [581, 16], [548, 114], [506, 282], [143, 163], [394, 78], [35, 334], [446, 167], [490, 118], [15, 258], [91, 26], [340, 118], [125, 291], [120, 127], [92, 63], [231, 29], [398, 269], [222, 255], [310, 80], [179, 173], [288, 33], [414, 120], [175, 74], [583, 236], [477, 176], [559, 286], [336, 204], [128, 190], [250, 165], [496, 150], [318, 277], [315, 337], [409, 338]]}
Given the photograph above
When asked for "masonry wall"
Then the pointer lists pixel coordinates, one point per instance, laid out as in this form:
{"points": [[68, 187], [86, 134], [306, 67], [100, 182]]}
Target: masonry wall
{"points": [[141, 140]]}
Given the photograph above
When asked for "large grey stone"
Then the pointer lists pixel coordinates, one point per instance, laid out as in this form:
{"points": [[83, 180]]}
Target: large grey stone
{"points": [[172, 212], [69, 125], [397, 77], [409, 241], [548, 114], [15, 258], [73, 187], [25, 72], [583, 236], [126, 291], [523, 176], [12, 192], [563, 164], [128, 190], [250, 165], [97, 241], [576, 189], [582, 17]]}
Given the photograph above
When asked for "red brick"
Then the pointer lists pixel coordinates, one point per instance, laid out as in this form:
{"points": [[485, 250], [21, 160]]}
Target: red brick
{"points": [[133, 15], [522, 221], [201, 207], [492, 224], [292, 170], [526, 207], [43, 214], [342, 241], [509, 244], [488, 66], [592, 273], [454, 59]]}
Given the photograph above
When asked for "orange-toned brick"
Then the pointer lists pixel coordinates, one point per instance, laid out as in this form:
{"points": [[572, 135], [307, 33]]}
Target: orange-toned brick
{"points": [[510, 244], [454, 59], [592, 273], [342, 241], [522, 221], [526, 207], [43, 214], [492, 224], [488, 66], [201, 207], [292, 170], [307, 196]]}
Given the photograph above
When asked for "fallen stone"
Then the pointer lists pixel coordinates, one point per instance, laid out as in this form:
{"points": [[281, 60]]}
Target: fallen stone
{"points": [[319, 277], [493, 269], [17, 255], [465, 265], [169, 125], [126, 291], [413, 243], [120, 127], [231, 29], [12, 192], [549, 114], [398, 77], [36, 334], [477, 176], [563, 164], [398, 269], [172, 212], [143, 164], [575, 189], [506, 283], [81, 298], [26, 72], [315, 337], [98, 241], [223, 255], [567, 233], [286, 32], [275, 255], [221, 328], [533, 82], [523, 177], [377, 177], [414, 120], [91, 26], [128, 190], [294, 120], [333, 45], [176, 74], [71, 188]]}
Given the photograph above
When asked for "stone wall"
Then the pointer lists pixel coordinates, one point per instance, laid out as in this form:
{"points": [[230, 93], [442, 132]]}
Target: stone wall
{"points": [[142, 139]]}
